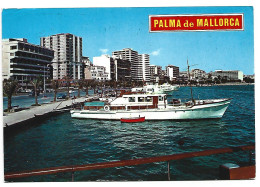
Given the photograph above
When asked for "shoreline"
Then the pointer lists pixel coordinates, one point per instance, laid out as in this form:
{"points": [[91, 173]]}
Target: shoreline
{"points": [[222, 84]]}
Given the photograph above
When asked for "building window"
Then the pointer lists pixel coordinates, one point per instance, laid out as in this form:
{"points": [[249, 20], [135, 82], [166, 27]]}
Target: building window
{"points": [[148, 99], [13, 47], [11, 54], [131, 99], [140, 99]]}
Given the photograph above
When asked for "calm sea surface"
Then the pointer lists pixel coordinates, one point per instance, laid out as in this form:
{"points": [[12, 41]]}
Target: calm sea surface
{"points": [[63, 141]]}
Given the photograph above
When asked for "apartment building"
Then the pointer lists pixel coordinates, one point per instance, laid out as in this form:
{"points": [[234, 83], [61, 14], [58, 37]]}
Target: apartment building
{"points": [[132, 56], [25, 61], [172, 72], [143, 70], [155, 73], [116, 68], [198, 74], [67, 55]]}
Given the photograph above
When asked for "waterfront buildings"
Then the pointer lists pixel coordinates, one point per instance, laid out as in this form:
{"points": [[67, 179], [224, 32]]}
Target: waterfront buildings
{"points": [[155, 73], [98, 73], [198, 74], [116, 68], [139, 63], [143, 70], [130, 55], [122, 70], [228, 74], [67, 59], [25, 61], [172, 72]]}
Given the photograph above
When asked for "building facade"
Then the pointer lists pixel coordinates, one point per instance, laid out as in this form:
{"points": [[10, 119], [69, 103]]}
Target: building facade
{"points": [[98, 73], [116, 68], [132, 56], [67, 55], [229, 74], [155, 73], [25, 61], [143, 69], [198, 74], [172, 72]]}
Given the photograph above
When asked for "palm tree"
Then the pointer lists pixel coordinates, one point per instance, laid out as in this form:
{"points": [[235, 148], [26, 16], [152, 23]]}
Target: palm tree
{"points": [[87, 83], [36, 84], [9, 88], [55, 86], [94, 85], [80, 84]]}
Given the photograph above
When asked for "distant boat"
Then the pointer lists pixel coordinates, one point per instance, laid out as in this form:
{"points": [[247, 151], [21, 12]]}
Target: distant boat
{"points": [[132, 120]]}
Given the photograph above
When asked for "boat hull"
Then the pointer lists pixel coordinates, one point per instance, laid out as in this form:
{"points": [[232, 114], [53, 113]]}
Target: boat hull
{"points": [[206, 111]]}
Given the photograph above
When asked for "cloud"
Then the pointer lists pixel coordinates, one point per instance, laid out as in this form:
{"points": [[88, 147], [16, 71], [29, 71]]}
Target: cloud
{"points": [[103, 51], [156, 53]]}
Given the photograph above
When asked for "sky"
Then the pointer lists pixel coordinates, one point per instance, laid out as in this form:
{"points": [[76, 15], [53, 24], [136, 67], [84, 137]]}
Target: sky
{"points": [[105, 30]]}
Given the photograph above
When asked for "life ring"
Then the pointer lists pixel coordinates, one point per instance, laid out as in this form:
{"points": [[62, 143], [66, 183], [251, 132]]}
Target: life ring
{"points": [[106, 108]]}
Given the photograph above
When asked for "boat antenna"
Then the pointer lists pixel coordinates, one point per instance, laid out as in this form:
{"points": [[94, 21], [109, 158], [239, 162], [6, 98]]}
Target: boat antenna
{"points": [[190, 81]]}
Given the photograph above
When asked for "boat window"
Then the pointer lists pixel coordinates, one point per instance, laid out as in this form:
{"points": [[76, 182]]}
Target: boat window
{"points": [[148, 99], [131, 99], [160, 98], [140, 99]]}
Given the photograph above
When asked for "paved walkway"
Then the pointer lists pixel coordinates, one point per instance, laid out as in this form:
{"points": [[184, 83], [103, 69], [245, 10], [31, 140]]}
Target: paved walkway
{"points": [[16, 117]]}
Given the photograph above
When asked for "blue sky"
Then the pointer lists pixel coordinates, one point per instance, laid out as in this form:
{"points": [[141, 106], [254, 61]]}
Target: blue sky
{"points": [[108, 29]]}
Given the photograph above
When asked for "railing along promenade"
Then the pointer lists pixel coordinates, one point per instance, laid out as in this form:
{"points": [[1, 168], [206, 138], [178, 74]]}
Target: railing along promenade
{"points": [[132, 162]]}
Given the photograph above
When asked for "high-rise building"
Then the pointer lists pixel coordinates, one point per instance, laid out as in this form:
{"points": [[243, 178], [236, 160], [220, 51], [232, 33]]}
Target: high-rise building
{"points": [[132, 56], [25, 61], [143, 67], [172, 72], [67, 55], [139, 63]]}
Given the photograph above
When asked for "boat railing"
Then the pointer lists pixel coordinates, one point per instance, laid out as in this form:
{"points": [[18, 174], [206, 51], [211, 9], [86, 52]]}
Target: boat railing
{"points": [[132, 162]]}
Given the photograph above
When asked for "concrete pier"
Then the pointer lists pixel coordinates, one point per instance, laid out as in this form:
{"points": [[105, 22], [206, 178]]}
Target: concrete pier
{"points": [[12, 119]]}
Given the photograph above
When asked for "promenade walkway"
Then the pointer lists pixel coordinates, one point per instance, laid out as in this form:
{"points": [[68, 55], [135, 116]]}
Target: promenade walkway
{"points": [[17, 117]]}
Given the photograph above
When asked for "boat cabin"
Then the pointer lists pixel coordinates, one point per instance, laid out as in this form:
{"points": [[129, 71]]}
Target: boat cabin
{"points": [[139, 101]]}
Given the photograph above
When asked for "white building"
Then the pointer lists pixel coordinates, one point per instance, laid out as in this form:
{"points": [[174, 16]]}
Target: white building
{"points": [[67, 55], [143, 70], [25, 61], [172, 72], [198, 74], [98, 73], [105, 61], [229, 74], [116, 68]]}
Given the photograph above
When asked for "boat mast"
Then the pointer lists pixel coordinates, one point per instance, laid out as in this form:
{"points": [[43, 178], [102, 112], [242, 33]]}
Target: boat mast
{"points": [[190, 81]]}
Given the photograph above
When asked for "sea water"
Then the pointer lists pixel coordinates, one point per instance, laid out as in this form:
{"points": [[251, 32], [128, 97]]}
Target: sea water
{"points": [[63, 141]]}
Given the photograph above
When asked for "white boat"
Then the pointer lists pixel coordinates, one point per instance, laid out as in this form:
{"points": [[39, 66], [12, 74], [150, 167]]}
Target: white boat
{"points": [[157, 89], [154, 107], [166, 88]]}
